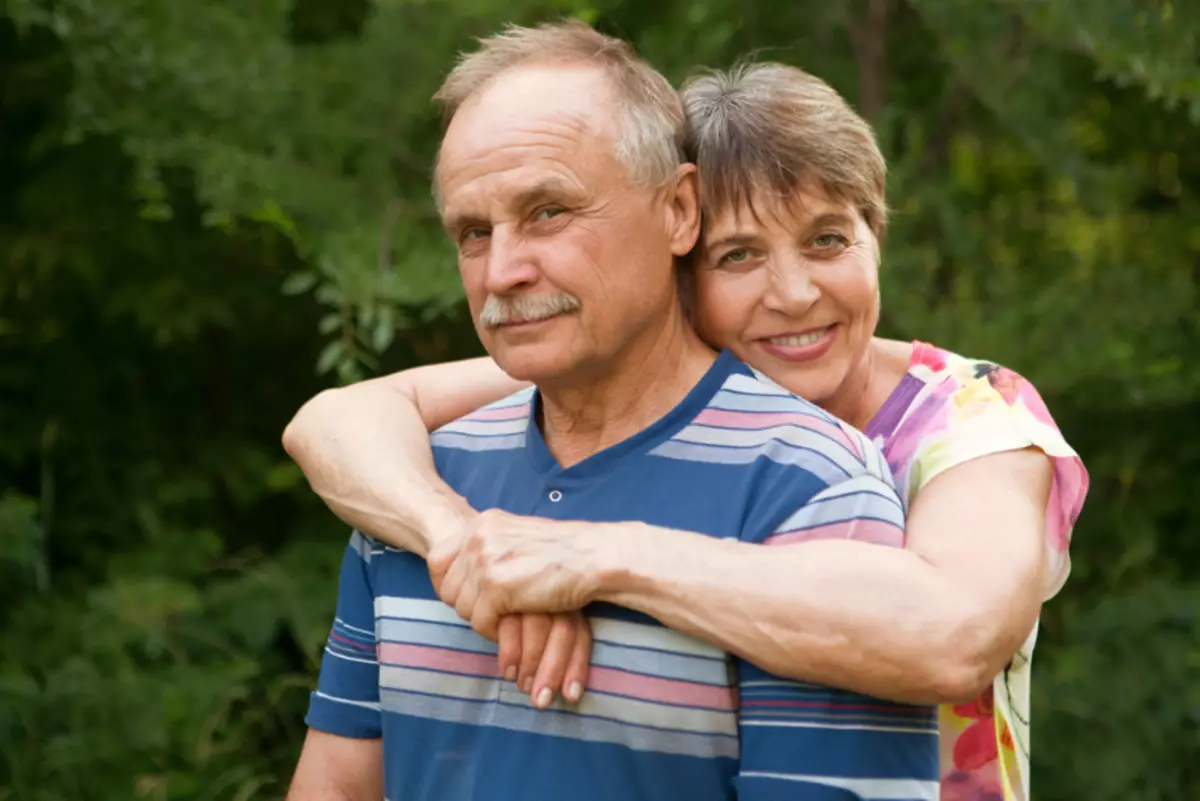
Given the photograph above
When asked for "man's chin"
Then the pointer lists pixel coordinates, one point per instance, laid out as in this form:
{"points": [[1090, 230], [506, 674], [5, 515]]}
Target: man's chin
{"points": [[533, 363]]}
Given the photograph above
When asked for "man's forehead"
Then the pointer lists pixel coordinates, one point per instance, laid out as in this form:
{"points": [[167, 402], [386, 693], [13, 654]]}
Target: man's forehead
{"points": [[536, 130], [542, 88], [558, 101]]}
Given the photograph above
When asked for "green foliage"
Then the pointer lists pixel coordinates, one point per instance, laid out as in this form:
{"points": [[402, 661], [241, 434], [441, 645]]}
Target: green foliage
{"points": [[201, 200]]}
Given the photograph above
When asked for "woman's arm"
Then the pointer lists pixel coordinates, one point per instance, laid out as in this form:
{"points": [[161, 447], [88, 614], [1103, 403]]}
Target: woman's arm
{"points": [[365, 451], [934, 622], [365, 448], [931, 622]]}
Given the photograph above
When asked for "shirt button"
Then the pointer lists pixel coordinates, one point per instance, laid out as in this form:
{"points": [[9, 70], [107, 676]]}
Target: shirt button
{"points": [[555, 496]]}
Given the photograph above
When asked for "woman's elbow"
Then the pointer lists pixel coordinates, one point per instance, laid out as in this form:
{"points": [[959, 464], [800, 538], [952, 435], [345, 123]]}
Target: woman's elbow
{"points": [[959, 681], [971, 659], [304, 425]]}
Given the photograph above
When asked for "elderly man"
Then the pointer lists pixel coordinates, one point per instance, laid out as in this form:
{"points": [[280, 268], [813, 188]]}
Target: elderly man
{"points": [[560, 181]]}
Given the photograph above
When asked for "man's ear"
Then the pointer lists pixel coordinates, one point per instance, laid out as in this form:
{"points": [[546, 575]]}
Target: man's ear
{"points": [[683, 210]]}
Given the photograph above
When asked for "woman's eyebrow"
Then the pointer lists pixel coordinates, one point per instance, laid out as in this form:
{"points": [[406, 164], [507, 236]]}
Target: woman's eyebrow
{"points": [[831, 219], [732, 239]]}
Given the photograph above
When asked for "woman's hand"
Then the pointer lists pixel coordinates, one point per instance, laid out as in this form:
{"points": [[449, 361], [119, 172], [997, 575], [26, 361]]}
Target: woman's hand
{"points": [[522, 582], [502, 564], [546, 654]]}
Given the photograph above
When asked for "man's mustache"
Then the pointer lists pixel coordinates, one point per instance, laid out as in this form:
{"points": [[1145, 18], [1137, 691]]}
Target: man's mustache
{"points": [[505, 310]]}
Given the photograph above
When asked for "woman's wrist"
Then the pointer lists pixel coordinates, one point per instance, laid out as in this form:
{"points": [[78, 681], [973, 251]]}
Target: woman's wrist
{"points": [[440, 515], [629, 560]]}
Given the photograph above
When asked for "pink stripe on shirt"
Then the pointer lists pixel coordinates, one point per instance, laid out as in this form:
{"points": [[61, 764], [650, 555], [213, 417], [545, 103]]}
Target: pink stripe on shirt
{"points": [[652, 688], [725, 418], [505, 413], [466, 663], [601, 679]]}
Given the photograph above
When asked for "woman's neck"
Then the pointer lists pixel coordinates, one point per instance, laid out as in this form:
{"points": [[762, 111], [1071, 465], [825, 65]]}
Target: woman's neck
{"points": [[869, 384]]}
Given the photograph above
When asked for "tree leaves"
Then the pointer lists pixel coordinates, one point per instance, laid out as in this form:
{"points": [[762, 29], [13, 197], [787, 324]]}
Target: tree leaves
{"points": [[205, 199]]}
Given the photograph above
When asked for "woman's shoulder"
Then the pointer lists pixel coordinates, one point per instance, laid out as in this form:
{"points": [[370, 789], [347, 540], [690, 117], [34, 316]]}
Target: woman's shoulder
{"points": [[969, 408], [930, 363], [934, 364], [969, 381], [966, 408]]}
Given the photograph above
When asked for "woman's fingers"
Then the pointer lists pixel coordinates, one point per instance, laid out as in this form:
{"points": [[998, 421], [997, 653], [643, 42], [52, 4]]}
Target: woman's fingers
{"points": [[509, 638], [535, 631], [564, 664], [575, 681]]}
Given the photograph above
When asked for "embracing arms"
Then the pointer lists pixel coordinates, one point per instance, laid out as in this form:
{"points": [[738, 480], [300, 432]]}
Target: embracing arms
{"points": [[365, 451], [933, 622], [365, 448]]}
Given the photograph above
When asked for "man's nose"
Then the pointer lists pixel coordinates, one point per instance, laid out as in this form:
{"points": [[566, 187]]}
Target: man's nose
{"points": [[510, 263]]}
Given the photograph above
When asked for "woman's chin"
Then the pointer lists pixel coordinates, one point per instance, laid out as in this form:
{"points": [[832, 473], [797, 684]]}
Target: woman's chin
{"points": [[815, 386]]}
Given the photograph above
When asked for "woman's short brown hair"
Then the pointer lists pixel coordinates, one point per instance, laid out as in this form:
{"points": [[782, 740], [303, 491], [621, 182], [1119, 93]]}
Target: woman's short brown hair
{"points": [[773, 127]]}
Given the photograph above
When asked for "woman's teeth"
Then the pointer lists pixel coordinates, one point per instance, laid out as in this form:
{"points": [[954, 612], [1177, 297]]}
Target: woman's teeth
{"points": [[800, 340]]}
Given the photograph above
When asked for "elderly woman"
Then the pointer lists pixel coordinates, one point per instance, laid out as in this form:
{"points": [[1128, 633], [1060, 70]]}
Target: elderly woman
{"points": [[786, 276]]}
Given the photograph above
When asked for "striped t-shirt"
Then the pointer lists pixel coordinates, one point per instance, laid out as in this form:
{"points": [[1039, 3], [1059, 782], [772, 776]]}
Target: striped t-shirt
{"points": [[666, 716]]}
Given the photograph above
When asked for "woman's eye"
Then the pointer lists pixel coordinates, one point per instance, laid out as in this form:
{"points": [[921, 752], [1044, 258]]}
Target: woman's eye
{"points": [[829, 241], [736, 256], [473, 234]]}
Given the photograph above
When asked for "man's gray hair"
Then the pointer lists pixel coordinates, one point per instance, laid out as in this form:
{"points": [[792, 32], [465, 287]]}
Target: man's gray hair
{"points": [[771, 127], [650, 121]]}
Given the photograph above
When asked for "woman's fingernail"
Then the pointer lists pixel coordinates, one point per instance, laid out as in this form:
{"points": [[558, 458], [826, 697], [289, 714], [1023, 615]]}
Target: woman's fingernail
{"points": [[544, 697], [527, 685], [574, 690], [511, 673]]}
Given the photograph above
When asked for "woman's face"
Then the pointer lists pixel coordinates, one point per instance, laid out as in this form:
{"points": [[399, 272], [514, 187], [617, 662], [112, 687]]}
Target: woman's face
{"points": [[792, 288]]}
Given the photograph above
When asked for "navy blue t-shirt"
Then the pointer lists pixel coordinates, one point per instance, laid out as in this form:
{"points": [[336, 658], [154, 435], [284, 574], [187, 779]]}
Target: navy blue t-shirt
{"points": [[666, 717]]}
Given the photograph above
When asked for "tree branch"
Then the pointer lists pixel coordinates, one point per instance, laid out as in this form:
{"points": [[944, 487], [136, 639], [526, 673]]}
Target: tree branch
{"points": [[869, 41]]}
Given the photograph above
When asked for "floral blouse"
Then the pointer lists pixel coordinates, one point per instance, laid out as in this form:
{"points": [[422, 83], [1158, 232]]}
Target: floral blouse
{"points": [[947, 410]]}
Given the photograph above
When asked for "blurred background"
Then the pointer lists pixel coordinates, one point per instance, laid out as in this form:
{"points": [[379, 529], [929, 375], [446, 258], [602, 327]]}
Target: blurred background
{"points": [[210, 210]]}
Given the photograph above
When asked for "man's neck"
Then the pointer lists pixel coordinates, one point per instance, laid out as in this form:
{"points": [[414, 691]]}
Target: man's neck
{"points": [[646, 382]]}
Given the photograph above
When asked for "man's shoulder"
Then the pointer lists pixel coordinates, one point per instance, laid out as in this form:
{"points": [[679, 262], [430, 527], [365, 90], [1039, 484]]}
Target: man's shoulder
{"points": [[758, 390], [754, 422], [815, 476], [498, 426]]}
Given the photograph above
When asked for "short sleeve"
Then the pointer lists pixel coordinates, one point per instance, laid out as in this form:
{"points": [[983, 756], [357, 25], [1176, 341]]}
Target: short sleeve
{"points": [[864, 507], [982, 409], [346, 701], [837, 486], [801, 740]]}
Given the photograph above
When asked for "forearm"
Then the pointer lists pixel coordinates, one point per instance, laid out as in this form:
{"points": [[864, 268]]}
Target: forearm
{"points": [[333, 768], [862, 617], [365, 448], [368, 457]]}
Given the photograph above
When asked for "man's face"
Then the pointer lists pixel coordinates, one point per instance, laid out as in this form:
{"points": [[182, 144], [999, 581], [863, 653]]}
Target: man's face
{"points": [[564, 260]]}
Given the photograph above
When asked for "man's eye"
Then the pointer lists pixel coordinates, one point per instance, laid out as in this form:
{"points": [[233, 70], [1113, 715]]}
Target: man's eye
{"points": [[548, 212], [473, 234]]}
